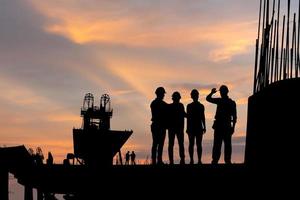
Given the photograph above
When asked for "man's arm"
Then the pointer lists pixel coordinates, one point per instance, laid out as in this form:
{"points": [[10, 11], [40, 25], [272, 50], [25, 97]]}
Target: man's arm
{"points": [[203, 117], [234, 117], [209, 97]]}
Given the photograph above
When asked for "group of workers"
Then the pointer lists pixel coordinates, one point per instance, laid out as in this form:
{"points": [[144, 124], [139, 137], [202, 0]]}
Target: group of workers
{"points": [[171, 118]]}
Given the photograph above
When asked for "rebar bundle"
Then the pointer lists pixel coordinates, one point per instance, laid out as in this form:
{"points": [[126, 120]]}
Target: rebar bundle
{"points": [[277, 45]]}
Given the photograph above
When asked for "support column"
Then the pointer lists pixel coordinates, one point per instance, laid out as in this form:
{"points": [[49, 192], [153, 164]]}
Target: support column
{"points": [[4, 180], [28, 193], [39, 195]]}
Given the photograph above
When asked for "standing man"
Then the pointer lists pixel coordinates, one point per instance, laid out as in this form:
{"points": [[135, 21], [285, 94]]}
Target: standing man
{"points": [[132, 158], [176, 117], [159, 125], [224, 124], [127, 157], [195, 125]]}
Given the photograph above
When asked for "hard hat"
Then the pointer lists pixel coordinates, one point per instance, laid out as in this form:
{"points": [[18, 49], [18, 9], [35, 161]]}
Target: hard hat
{"points": [[194, 92], [160, 90], [224, 89], [176, 95]]}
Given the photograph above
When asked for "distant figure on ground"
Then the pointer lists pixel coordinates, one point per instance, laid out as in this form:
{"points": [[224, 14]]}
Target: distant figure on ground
{"points": [[176, 115], [132, 156], [196, 126], [49, 159], [158, 126], [127, 158], [224, 124], [39, 156], [66, 162]]}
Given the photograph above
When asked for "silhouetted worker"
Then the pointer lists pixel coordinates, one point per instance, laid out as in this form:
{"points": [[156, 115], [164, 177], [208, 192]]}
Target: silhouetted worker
{"points": [[132, 157], [159, 125], [196, 126], [49, 159], [224, 124], [39, 156], [127, 158], [176, 115]]}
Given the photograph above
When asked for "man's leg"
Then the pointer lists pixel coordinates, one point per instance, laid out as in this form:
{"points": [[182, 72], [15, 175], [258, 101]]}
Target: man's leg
{"points": [[161, 138], [217, 147], [171, 134], [228, 148], [154, 143], [199, 147], [191, 147], [180, 138]]}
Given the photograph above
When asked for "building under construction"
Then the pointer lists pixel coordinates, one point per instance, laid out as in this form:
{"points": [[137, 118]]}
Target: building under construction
{"points": [[274, 107], [271, 143]]}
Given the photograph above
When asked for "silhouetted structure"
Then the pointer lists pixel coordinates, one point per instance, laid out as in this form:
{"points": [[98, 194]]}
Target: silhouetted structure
{"points": [[224, 124], [95, 144], [176, 115], [273, 108], [159, 110], [277, 51], [196, 125], [84, 183]]}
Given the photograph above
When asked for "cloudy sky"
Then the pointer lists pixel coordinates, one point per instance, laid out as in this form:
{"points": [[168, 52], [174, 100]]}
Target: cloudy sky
{"points": [[53, 52]]}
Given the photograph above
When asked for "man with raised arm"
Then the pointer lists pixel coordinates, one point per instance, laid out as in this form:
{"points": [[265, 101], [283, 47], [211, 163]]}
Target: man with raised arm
{"points": [[224, 124]]}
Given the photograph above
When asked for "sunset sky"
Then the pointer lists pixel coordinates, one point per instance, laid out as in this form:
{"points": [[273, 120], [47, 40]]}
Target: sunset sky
{"points": [[53, 52]]}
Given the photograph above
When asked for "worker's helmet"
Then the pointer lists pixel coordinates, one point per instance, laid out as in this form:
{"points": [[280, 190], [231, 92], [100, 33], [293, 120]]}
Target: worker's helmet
{"points": [[160, 91], [176, 95], [224, 90], [194, 93]]}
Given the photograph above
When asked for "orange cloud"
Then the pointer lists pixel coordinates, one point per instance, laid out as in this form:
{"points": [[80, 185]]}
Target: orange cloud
{"points": [[242, 101], [230, 38]]}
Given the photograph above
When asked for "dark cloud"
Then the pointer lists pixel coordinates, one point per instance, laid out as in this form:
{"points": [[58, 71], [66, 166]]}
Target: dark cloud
{"points": [[51, 65]]}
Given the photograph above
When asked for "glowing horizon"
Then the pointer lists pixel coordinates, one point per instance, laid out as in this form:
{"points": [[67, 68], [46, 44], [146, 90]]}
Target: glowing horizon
{"points": [[53, 52]]}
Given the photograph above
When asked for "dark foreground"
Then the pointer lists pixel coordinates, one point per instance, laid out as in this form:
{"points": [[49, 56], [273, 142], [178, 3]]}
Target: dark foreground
{"points": [[157, 181], [146, 181]]}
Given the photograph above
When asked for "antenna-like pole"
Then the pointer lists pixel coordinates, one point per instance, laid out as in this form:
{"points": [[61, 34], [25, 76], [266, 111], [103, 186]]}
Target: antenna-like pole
{"points": [[257, 48], [282, 50], [286, 65]]}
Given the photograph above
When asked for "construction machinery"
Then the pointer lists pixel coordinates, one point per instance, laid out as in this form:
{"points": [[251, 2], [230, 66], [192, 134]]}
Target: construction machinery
{"points": [[95, 144]]}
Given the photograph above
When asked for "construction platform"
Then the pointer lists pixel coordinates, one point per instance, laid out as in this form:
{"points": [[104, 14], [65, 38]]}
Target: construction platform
{"points": [[89, 183]]}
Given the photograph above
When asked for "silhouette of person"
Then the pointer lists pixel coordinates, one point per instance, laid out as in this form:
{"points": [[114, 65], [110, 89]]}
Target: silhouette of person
{"points": [[50, 159], [39, 156], [132, 156], [158, 126], [196, 126], [176, 115], [127, 158], [224, 124]]}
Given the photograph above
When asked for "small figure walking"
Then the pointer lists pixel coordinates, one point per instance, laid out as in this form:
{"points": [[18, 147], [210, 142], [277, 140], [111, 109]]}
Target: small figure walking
{"points": [[127, 158], [50, 159], [132, 156]]}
